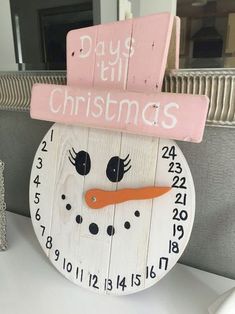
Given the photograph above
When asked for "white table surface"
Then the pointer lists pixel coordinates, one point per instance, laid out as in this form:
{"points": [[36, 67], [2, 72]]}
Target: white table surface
{"points": [[29, 284]]}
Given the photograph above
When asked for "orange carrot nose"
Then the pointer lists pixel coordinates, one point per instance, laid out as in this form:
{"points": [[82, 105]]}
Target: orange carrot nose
{"points": [[96, 198]]}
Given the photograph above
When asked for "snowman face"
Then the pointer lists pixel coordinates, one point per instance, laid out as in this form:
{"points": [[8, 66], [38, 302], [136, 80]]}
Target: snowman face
{"points": [[99, 212]]}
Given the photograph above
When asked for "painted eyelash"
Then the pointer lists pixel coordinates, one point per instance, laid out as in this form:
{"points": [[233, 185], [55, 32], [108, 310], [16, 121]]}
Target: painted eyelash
{"points": [[73, 157], [128, 163]]}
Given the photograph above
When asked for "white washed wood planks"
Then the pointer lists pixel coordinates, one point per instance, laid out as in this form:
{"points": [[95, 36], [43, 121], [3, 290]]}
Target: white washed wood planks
{"points": [[130, 245], [95, 248], [136, 253], [64, 229]]}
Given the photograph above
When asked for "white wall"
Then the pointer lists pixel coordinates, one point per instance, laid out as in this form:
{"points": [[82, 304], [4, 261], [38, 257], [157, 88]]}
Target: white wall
{"points": [[108, 11], [145, 7], [7, 53]]}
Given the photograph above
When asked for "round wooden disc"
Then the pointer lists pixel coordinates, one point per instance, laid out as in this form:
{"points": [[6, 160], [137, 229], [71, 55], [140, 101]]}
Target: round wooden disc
{"points": [[122, 248]]}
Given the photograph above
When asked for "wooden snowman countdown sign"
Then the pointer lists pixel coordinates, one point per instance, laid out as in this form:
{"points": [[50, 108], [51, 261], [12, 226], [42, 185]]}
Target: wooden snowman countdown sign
{"points": [[111, 195]]}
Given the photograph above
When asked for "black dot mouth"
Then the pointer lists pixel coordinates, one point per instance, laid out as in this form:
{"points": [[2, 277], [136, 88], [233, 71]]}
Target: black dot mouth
{"points": [[137, 213], [68, 206], [93, 227], [127, 225], [110, 230], [79, 219]]}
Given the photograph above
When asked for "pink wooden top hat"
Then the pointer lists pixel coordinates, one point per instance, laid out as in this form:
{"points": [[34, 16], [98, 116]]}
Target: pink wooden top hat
{"points": [[115, 73]]}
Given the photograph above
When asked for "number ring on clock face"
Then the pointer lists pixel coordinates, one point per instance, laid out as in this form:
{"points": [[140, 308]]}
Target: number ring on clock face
{"points": [[119, 248]]}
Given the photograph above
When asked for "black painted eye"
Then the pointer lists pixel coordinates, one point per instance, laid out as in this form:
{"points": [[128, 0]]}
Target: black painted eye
{"points": [[117, 167], [81, 161]]}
